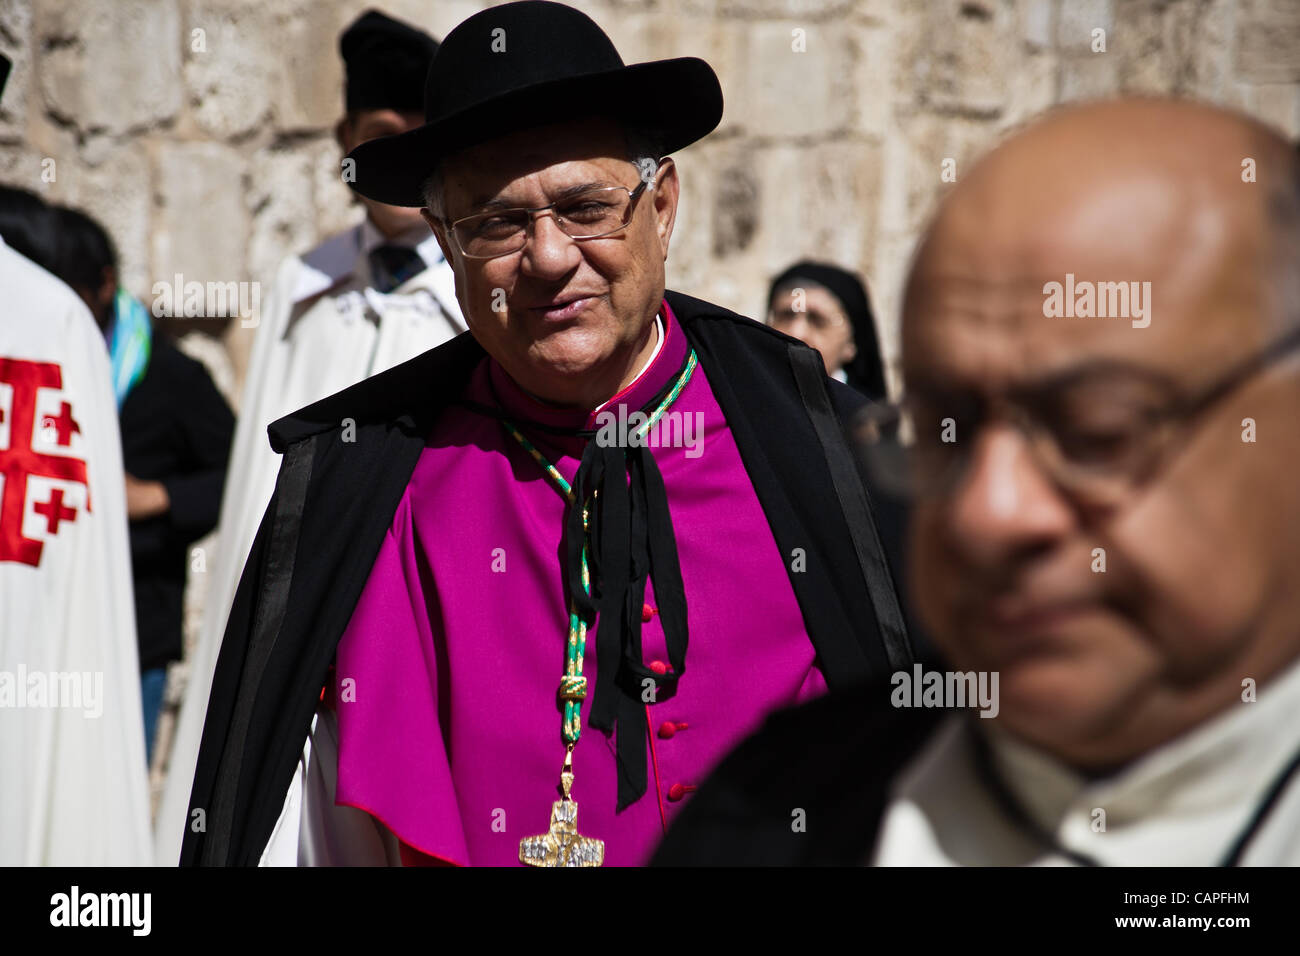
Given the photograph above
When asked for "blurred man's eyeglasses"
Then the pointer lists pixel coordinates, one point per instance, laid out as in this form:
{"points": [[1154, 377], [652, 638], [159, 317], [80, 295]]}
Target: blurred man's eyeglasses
{"points": [[589, 214], [1098, 434]]}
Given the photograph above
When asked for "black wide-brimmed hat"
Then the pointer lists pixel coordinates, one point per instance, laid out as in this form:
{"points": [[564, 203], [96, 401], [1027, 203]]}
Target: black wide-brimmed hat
{"points": [[527, 64]]}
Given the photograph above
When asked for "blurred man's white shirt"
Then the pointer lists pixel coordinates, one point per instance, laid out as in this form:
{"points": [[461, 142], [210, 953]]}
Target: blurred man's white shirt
{"points": [[1184, 804], [73, 784], [323, 328]]}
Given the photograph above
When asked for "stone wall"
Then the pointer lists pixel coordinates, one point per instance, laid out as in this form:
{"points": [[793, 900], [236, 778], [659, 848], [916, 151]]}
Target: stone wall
{"points": [[200, 131]]}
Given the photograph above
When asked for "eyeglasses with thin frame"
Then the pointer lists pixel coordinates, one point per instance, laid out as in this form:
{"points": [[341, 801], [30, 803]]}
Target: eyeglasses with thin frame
{"points": [[1097, 434], [589, 214]]}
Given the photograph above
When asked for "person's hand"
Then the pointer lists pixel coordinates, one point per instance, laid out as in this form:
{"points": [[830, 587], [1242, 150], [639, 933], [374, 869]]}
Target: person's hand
{"points": [[145, 499]]}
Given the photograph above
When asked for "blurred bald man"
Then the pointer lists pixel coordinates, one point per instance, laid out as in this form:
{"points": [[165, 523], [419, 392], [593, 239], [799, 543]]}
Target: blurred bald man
{"points": [[1107, 520]]}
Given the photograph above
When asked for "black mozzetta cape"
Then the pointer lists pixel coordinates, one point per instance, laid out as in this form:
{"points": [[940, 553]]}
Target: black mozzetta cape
{"points": [[335, 499]]}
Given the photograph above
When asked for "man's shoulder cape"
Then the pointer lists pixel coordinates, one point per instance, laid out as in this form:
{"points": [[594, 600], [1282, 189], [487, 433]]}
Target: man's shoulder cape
{"points": [[347, 461]]}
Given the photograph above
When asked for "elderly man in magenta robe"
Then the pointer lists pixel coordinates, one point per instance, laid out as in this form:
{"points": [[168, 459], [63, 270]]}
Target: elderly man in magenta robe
{"points": [[518, 595]]}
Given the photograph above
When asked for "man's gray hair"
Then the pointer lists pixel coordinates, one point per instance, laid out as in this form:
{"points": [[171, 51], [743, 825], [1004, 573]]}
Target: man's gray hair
{"points": [[642, 150]]}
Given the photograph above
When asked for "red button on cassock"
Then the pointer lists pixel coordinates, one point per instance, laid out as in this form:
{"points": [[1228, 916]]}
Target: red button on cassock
{"points": [[659, 667], [647, 612], [679, 790], [669, 727]]}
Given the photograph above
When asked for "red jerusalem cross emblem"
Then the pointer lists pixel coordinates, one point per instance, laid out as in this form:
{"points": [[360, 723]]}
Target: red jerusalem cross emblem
{"points": [[20, 460]]}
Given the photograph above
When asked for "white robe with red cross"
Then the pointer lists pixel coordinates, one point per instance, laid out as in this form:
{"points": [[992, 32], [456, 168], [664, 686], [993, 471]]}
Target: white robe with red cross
{"points": [[73, 782]]}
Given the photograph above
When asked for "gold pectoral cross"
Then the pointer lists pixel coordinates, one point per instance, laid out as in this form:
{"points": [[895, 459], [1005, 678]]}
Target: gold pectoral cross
{"points": [[562, 844]]}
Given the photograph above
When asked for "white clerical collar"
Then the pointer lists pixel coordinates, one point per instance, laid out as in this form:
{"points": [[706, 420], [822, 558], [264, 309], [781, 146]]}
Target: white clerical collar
{"points": [[659, 344], [1218, 770]]}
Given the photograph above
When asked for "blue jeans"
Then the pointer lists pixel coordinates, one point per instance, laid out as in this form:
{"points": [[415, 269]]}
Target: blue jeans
{"points": [[152, 684]]}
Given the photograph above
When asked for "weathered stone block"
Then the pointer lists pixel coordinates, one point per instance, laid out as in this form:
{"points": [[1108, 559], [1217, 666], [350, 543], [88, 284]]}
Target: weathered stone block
{"points": [[1279, 105], [231, 53], [957, 59], [820, 202], [111, 66], [1076, 19], [735, 204], [689, 258], [1089, 76], [928, 142], [875, 69], [20, 167], [280, 202], [772, 9], [201, 223], [1268, 50], [1032, 88], [15, 43], [1211, 66], [1036, 21], [337, 206], [1155, 43], [799, 83], [308, 77], [110, 181]]}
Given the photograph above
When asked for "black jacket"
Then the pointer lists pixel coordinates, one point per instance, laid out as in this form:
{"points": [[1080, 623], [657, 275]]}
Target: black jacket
{"points": [[334, 501], [176, 428]]}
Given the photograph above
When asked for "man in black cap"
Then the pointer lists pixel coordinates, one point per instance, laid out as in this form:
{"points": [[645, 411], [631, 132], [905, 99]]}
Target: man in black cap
{"points": [[597, 458], [386, 62], [360, 302]]}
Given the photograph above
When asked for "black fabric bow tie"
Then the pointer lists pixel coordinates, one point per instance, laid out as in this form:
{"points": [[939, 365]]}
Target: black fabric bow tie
{"points": [[632, 538], [391, 265]]}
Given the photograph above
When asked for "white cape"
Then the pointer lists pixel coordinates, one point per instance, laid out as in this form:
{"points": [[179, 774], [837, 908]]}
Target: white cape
{"points": [[73, 783], [321, 329]]}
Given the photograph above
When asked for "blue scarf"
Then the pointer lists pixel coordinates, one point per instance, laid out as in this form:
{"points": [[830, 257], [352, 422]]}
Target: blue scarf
{"points": [[131, 344]]}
